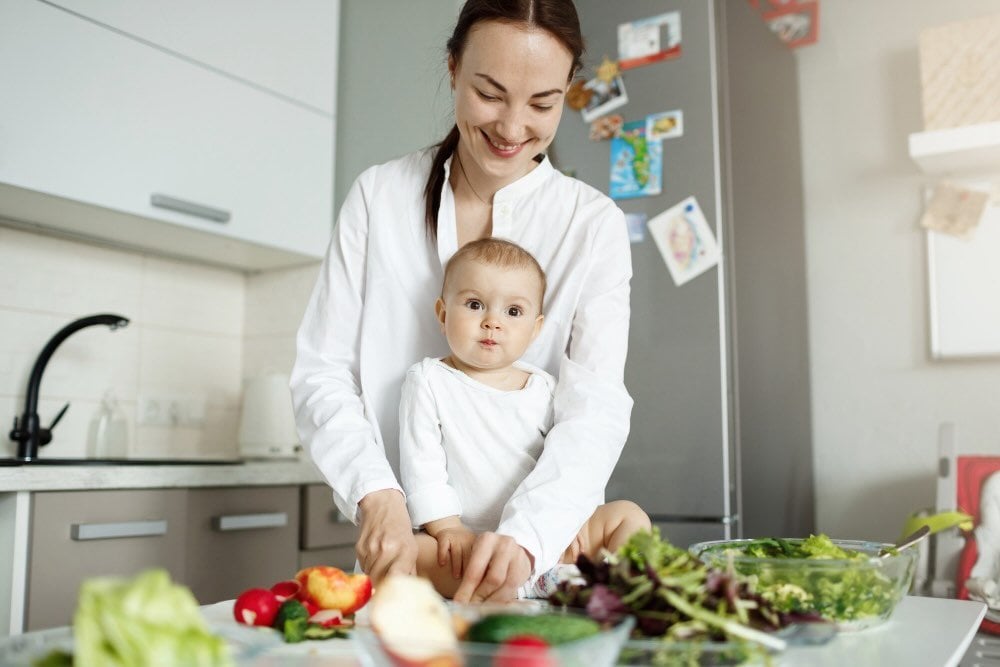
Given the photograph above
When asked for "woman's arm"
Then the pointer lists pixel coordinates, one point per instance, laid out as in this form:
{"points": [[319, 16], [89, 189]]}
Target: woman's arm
{"points": [[327, 396]]}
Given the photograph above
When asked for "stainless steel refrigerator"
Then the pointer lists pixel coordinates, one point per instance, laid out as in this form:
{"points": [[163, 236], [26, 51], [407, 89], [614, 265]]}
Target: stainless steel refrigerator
{"points": [[720, 442]]}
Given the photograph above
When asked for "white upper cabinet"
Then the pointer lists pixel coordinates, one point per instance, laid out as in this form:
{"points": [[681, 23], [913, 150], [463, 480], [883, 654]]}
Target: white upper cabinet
{"points": [[106, 136], [289, 48]]}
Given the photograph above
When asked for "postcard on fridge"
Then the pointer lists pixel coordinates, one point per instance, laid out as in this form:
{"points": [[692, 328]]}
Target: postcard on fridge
{"points": [[649, 40], [685, 240]]}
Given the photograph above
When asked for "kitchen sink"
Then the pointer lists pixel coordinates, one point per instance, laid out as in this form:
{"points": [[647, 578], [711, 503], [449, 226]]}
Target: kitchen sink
{"points": [[119, 462]]}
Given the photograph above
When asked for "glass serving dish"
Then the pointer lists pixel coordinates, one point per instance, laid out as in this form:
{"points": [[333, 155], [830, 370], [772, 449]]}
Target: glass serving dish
{"points": [[853, 593], [600, 650]]}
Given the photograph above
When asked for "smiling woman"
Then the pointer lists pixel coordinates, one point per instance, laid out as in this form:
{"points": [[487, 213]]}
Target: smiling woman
{"points": [[371, 314]]}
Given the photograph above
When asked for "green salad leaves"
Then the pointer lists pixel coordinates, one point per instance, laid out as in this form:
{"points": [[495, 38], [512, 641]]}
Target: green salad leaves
{"points": [[146, 621], [793, 576]]}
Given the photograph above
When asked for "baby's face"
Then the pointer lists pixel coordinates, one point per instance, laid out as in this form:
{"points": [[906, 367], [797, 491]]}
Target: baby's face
{"points": [[490, 314]]}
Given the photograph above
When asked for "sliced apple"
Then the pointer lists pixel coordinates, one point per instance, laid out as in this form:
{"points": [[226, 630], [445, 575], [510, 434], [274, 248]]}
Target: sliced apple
{"points": [[413, 623]]}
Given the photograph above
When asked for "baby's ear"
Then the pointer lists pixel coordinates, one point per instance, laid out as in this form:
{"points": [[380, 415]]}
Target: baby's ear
{"points": [[538, 326], [440, 311]]}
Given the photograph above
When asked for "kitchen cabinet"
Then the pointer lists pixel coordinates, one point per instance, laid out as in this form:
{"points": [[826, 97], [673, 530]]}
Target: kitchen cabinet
{"points": [[112, 137], [239, 539], [81, 534], [288, 50], [327, 537]]}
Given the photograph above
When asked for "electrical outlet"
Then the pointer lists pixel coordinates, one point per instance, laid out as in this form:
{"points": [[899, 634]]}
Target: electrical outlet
{"points": [[171, 410]]}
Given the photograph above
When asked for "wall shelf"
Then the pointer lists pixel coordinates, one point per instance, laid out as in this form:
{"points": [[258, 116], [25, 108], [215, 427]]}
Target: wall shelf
{"points": [[970, 150]]}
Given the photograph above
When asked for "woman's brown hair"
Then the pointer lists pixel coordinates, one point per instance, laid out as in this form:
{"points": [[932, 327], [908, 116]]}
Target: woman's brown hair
{"points": [[557, 17]]}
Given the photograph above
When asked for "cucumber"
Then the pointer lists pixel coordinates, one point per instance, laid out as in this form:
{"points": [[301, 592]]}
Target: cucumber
{"points": [[553, 628]]}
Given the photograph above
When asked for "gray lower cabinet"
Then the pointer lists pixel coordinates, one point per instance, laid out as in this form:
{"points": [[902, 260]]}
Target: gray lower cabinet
{"points": [[80, 534], [327, 537], [239, 538], [216, 541]]}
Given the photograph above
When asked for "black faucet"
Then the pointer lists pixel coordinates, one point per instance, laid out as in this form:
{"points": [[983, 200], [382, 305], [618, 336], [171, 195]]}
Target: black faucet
{"points": [[28, 434]]}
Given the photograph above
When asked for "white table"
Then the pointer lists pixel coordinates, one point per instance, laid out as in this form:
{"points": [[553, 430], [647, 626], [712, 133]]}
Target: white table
{"points": [[923, 632], [931, 632]]}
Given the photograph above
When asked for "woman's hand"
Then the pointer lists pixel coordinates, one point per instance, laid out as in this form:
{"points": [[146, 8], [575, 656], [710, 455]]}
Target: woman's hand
{"points": [[386, 544], [497, 567]]}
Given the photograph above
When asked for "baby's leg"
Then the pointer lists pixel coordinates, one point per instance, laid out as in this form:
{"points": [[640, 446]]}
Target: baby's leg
{"points": [[609, 527], [427, 566]]}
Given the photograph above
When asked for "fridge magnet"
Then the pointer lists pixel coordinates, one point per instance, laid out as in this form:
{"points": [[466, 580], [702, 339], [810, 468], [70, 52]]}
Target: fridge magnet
{"points": [[685, 240], [795, 24], [606, 127], [954, 210], [578, 95], [649, 40], [605, 98], [636, 164], [608, 70], [636, 223], [664, 125]]}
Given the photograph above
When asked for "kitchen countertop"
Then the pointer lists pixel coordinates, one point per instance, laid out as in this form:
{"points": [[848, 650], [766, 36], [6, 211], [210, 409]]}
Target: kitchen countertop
{"points": [[94, 477]]}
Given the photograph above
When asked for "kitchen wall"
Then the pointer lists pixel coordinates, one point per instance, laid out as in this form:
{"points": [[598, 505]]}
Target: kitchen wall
{"points": [[877, 397], [185, 340]]}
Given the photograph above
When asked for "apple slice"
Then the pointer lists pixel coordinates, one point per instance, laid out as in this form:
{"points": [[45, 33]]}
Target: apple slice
{"points": [[413, 623]]}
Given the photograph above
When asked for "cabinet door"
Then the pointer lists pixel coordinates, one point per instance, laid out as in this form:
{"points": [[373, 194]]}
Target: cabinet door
{"points": [[322, 523], [81, 534], [240, 538], [93, 116], [287, 48]]}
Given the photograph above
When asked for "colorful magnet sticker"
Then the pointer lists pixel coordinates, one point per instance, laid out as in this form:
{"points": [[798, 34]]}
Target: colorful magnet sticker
{"points": [[636, 223], [649, 40], [685, 240], [664, 125], [636, 164], [606, 127], [606, 98], [795, 24]]}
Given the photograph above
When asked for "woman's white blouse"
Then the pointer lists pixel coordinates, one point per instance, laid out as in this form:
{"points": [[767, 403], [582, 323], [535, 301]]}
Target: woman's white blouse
{"points": [[371, 316]]}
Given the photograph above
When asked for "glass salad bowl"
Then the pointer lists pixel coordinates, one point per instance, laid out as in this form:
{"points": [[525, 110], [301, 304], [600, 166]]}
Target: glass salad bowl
{"points": [[598, 650], [846, 582]]}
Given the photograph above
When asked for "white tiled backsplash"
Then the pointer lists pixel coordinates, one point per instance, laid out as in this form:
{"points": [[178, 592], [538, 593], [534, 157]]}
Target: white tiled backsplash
{"points": [[195, 331]]}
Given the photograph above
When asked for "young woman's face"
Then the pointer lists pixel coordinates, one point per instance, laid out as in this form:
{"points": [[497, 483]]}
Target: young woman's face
{"points": [[509, 89]]}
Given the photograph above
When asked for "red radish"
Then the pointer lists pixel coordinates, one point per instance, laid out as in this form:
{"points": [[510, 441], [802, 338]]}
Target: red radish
{"points": [[310, 606], [524, 651], [329, 618], [256, 606], [286, 589]]}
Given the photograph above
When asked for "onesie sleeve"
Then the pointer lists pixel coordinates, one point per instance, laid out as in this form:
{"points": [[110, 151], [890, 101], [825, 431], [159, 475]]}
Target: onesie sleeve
{"points": [[422, 462]]}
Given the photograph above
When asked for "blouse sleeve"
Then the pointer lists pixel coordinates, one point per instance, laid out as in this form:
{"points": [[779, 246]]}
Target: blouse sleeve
{"points": [[591, 409], [422, 461], [325, 385]]}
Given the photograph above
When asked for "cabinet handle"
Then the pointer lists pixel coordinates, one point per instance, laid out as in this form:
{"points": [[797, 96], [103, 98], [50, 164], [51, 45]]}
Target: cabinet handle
{"points": [[250, 521], [189, 207], [112, 531]]}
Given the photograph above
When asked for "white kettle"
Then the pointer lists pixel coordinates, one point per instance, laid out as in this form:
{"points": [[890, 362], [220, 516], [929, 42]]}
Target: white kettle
{"points": [[267, 422]]}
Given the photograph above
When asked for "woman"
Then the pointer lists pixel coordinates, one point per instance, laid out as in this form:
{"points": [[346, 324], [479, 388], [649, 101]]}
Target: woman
{"points": [[371, 313]]}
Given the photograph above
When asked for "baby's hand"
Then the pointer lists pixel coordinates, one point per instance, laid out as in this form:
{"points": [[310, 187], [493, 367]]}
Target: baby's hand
{"points": [[455, 544]]}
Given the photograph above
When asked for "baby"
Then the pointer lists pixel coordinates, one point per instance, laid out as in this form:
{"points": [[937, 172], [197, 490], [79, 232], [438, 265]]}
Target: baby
{"points": [[473, 424]]}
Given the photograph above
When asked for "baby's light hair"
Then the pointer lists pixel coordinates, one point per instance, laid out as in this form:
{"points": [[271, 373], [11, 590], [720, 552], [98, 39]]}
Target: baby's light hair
{"points": [[498, 252]]}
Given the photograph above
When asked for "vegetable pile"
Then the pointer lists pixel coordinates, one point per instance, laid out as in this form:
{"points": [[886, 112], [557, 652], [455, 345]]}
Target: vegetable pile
{"points": [[842, 594], [674, 595], [318, 604]]}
